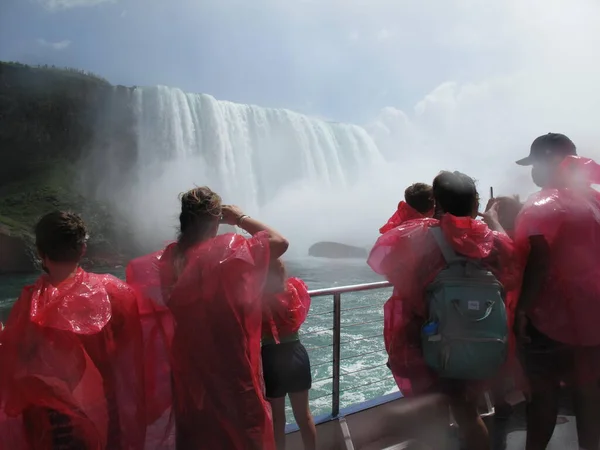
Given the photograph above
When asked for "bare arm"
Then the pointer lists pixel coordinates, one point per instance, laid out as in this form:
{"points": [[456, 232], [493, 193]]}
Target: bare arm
{"points": [[233, 215], [490, 217], [278, 245]]}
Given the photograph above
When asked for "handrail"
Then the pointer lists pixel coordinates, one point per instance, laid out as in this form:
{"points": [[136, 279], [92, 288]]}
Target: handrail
{"points": [[350, 288], [336, 293]]}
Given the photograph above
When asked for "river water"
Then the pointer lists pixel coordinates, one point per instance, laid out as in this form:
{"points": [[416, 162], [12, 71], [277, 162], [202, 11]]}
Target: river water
{"points": [[363, 371]]}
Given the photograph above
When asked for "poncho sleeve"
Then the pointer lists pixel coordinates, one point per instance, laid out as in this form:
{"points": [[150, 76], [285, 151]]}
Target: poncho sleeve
{"points": [[127, 360], [405, 256], [143, 276], [285, 312]]}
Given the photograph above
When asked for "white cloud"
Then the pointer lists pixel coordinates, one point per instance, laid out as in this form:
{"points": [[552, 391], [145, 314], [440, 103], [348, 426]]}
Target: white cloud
{"points": [[60, 45], [481, 127], [57, 5]]}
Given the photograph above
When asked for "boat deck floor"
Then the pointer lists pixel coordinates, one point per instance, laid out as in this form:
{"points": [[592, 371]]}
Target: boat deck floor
{"points": [[509, 434]]}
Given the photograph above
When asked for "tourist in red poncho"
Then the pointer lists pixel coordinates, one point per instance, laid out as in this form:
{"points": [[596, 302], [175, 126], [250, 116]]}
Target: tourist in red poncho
{"points": [[417, 204], [286, 366], [558, 312], [158, 329], [72, 370], [410, 259], [213, 286]]}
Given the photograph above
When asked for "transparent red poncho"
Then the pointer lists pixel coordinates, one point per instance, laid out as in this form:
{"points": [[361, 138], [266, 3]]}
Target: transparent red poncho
{"points": [[72, 369], [216, 357], [568, 217], [409, 257], [285, 312], [142, 275], [404, 213]]}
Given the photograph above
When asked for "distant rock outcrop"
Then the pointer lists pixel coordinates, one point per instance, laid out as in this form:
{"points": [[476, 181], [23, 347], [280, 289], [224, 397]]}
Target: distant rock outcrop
{"points": [[336, 250]]}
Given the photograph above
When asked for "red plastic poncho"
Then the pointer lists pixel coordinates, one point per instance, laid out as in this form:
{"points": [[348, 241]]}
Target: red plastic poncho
{"points": [[284, 313], [142, 275], [72, 366], [568, 217], [410, 258], [404, 213], [217, 371]]}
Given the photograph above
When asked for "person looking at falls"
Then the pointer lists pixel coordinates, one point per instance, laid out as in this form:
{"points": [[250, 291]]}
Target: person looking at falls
{"points": [[72, 369], [559, 307], [417, 204], [213, 286], [286, 366], [419, 252]]}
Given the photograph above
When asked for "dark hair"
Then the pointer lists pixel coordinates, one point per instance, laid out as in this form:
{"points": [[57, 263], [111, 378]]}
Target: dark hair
{"points": [[61, 236], [200, 207], [508, 210], [419, 196], [455, 193]]}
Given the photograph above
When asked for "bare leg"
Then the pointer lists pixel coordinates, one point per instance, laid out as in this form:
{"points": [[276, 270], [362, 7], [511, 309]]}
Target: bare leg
{"points": [[278, 408], [471, 426], [304, 419], [542, 411], [586, 400]]}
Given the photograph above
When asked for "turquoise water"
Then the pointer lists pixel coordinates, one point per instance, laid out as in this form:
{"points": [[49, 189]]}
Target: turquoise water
{"points": [[363, 371]]}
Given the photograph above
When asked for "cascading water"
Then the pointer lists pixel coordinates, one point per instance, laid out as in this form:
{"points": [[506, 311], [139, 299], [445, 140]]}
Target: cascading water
{"points": [[249, 154], [246, 152]]}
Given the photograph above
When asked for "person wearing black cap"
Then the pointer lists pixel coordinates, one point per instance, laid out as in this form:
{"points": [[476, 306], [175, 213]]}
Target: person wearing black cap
{"points": [[545, 155], [558, 345]]}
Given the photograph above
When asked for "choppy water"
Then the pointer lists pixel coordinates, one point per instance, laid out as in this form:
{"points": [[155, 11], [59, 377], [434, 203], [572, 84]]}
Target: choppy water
{"points": [[363, 371]]}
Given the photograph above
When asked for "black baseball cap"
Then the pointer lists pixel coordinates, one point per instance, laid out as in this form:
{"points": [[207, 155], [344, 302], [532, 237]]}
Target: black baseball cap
{"points": [[547, 145]]}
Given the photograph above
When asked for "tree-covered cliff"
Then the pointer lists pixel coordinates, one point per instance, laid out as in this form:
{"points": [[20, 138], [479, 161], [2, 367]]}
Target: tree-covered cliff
{"points": [[49, 123]]}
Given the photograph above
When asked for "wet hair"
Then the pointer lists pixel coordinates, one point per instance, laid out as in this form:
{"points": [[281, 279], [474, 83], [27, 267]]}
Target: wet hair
{"points": [[200, 208], [508, 210], [419, 196], [455, 193], [61, 236]]}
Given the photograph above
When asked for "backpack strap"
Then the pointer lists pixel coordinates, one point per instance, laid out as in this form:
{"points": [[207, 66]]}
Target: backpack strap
{"points": [[447, 251]]}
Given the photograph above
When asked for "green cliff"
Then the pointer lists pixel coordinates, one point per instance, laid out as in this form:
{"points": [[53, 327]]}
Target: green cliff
{"points": [[49, 122]]}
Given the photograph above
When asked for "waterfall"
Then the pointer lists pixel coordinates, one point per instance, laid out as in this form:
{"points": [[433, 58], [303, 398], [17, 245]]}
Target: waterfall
{"points": [[246, 153]]}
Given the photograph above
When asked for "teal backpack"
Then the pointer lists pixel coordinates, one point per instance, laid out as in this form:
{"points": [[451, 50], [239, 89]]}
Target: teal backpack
{"points": [[466, 337]]}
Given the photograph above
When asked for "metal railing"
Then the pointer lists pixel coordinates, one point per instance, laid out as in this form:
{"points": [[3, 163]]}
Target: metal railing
{"points": [[336, 344]]}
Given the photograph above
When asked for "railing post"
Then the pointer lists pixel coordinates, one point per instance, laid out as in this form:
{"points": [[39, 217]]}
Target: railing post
{"points": [[337, 323]]}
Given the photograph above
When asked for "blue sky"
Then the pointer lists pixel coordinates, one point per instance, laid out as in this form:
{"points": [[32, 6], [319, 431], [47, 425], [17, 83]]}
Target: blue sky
{"points": [[344, 60]]}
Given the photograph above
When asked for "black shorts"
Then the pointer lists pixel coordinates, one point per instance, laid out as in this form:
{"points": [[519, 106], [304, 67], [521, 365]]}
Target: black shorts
{"points": [[546, 361], [286, 369]]}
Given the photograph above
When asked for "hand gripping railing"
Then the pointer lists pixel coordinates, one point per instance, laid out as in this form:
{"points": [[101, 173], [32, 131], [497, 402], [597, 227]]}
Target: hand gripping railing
{"points": [[336, 293]]}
